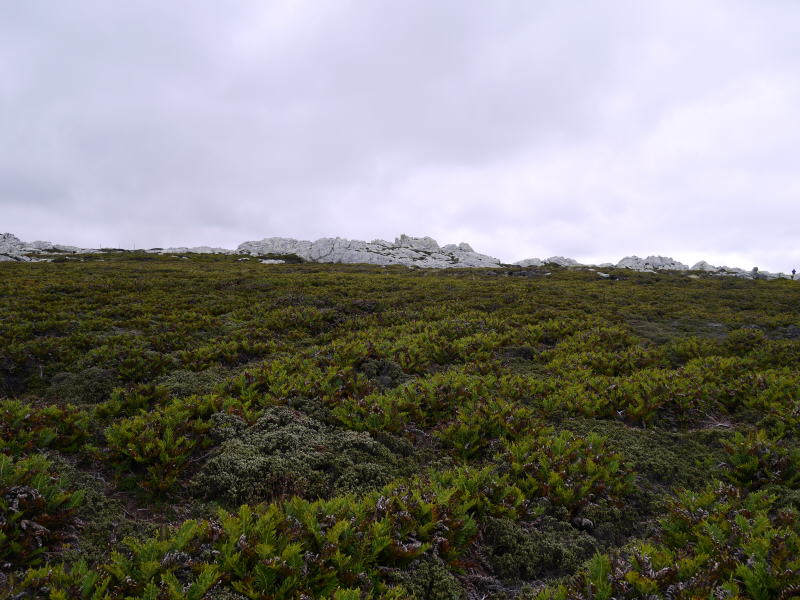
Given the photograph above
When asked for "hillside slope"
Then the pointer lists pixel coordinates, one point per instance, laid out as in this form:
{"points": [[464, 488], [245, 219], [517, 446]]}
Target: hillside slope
{"points": [[223, 429]]}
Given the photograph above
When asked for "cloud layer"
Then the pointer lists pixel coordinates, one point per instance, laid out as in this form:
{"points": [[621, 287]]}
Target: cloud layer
{"points": [[585, 129]]}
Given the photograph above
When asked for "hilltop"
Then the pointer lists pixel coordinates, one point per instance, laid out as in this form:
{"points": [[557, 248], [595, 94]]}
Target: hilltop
{"points": [[421, 252]]}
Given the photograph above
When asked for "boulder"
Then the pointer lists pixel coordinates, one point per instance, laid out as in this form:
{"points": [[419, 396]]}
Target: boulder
{"points": [[651, 263], [561, 261], [704, 266], [529, 262], [10, 244]]}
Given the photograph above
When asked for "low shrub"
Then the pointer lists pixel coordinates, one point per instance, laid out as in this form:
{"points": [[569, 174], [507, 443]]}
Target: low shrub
{"points": [[718, 543], [566, 470], [24, 427], [287, 453], [756, 460], [35, 510]]}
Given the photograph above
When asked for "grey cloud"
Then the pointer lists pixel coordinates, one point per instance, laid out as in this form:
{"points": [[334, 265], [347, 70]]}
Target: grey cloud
{"points": [[524, 128]]}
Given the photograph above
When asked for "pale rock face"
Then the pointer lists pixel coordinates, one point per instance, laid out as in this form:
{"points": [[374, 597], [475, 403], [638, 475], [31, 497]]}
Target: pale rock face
{"points": [[651, 263], [45, 246], [422, 252], [529, 262], [704, 266], [561, 261], [426, 244], [10, 244]]}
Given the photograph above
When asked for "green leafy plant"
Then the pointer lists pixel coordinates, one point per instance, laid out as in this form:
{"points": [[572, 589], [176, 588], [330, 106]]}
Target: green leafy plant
{"points": [[24, 428], [35, 510], [756, 460], [567, 470]]}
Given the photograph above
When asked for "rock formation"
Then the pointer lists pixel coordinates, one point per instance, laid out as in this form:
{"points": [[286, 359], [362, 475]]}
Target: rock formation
{"points": [[651, 263], [704, 266], [13, 249], [530, 262], [562, 261], [410, 251]]}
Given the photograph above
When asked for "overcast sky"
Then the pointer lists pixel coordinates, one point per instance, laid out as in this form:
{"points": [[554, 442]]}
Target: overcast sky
{"points": [[532, 128]]}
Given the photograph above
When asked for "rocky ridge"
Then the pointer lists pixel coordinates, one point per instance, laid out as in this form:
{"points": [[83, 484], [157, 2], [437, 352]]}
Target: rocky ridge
{"points": [[410, 251], [14, 249], [423, 252]]}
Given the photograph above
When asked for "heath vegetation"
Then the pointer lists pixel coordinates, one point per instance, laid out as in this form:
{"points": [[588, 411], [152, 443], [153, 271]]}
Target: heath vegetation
{"points": [[215, 429]]}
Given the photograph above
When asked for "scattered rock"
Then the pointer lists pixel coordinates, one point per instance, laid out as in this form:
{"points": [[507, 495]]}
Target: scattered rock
{"points": [[423, 252]]}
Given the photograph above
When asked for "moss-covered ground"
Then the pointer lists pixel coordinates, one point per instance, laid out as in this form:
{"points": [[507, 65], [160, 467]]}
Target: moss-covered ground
{"points": [[208, 428]]}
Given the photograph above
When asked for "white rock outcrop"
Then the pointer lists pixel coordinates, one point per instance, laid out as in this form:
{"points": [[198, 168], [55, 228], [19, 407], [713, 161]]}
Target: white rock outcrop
{"points": [[562, 261], [651, 263], [14, 249], [10, 246], [704, 266], [529, 262], [406, 250]]}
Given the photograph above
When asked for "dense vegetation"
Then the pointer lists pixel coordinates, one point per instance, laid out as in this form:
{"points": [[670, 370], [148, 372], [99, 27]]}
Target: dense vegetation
{"points": [[213, 428]]}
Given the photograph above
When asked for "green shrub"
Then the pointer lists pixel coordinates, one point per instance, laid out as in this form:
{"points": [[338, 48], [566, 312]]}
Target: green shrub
{"points": [[715, 543], [35, 510], [59, 582], [150, 450], [24, 428], [566, 470], [480, 425], [169, 566], [127, 402], [756, 460]]}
